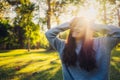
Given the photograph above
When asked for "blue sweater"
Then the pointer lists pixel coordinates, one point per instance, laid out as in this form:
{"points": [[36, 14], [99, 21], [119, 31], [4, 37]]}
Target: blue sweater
{"points": [[102, 46]]}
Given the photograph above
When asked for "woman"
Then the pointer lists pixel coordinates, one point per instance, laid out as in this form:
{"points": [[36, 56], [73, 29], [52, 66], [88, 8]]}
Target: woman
{"points": [[84, 57]]}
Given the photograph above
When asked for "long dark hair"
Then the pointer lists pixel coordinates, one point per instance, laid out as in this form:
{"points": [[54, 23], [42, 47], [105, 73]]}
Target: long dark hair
{"points": [[86, 56]]}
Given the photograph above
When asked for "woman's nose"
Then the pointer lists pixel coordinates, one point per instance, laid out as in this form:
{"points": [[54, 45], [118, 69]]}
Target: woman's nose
{"points": [[75, 28]]}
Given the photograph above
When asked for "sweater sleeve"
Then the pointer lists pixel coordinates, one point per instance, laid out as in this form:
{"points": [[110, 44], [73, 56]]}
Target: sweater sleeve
{"points": [[113, 34], [52, 33]]}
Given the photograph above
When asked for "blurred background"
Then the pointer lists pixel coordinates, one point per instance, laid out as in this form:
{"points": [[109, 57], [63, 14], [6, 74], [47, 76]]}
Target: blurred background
{"points": [[25, 53]]}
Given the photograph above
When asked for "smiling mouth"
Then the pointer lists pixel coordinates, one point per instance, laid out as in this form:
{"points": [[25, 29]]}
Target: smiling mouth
{"points": [[77, 32]]}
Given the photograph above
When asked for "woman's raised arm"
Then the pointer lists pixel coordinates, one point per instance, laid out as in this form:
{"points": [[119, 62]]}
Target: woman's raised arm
{"points": [[52, 33], [113, 33]]}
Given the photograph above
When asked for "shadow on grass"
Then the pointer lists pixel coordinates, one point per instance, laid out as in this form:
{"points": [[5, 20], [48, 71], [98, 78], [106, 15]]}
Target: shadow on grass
{"points": [[114, 73], [4, 51], [14, 62], [58, 75], [115, 65], [15, 55], [44, 75], [116, 53], [9, 73], [43, 52]]}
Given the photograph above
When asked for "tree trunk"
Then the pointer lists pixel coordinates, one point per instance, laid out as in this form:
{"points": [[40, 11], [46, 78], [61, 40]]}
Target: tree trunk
{"points": [[29, 44], [118, 14], [49, 20], [49, 15], [104, 8]]}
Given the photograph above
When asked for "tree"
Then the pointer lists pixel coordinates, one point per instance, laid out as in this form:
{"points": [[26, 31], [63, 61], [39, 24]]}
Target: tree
{"points": [[24, 29]]}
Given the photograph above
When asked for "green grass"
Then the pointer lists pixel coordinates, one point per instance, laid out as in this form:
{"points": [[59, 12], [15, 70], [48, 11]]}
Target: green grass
{"points": [[40, 65], [36, 65]]}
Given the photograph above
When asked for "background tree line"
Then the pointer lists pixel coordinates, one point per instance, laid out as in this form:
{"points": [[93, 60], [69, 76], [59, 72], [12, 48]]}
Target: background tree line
{"points": [[24, 22]]}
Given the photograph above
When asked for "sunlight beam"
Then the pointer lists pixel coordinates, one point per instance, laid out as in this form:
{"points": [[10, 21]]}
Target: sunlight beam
{"points": [[90, 13]]}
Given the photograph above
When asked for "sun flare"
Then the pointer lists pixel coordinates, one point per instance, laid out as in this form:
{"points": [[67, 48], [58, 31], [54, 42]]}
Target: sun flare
{"points": [[90, 13]]}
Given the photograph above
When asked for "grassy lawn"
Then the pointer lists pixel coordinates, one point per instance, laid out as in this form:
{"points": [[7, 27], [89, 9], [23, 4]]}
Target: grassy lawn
{"points": [[40, 65]]}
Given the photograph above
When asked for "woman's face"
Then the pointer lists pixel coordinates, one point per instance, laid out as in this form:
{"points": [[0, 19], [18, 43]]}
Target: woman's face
{"points": [[78, 31]]}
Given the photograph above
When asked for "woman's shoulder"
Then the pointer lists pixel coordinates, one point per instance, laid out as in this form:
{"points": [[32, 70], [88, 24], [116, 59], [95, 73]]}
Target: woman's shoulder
{"points": [[101, 42], [100, 39]]}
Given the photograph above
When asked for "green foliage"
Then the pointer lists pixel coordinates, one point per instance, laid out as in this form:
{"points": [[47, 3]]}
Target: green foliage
{"points": [[4, 31], [43, 41], [23, 31], [112, 1], [24, 20], [7, 40], [25, 2], [25, 8], [64, 35], [32, 32]]}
